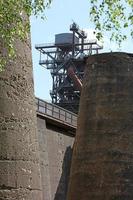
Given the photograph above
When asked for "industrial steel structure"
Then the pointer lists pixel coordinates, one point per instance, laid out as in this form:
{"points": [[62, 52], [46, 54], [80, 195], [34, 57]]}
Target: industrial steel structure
{"points": [[65, 60]]}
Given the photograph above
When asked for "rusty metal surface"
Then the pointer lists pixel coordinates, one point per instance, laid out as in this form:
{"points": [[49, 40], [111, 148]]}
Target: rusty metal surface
{"points": [[102, 164]]}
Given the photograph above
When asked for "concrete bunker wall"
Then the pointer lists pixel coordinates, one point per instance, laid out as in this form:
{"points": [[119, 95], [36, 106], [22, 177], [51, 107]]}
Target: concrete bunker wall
{"points": [[55, 145]]}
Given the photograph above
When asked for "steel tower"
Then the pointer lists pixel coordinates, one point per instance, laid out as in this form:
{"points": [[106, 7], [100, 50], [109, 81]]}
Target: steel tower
{"points": [[65, 60]]}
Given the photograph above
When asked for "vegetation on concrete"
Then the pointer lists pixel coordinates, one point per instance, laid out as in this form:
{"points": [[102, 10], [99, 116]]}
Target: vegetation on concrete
{"points": [[14, 23], [108, 15]]}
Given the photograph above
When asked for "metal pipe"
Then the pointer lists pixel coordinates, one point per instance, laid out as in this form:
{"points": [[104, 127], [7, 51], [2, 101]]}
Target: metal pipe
{"points": [[74, 77]]}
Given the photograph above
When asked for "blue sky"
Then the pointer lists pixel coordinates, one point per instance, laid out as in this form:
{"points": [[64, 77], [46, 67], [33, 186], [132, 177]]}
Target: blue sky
{"points": [[58, 19]]}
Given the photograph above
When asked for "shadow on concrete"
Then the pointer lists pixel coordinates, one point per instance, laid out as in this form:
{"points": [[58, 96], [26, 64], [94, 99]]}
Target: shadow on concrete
{"points": [[63, 183]]}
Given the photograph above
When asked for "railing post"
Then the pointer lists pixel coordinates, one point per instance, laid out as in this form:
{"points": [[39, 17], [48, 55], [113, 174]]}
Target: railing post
{"points": [[38, 104], [65, 116], [59, 113], [52, 109], [45, 108], [71, 119]]}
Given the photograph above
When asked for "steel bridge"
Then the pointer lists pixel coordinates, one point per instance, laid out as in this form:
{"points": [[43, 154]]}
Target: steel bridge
{"points": [[56, 114]]}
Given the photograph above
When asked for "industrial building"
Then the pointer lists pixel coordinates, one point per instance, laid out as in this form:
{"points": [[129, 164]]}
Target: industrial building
{"points": [[36, 143], [65, 58], [57, 121]]}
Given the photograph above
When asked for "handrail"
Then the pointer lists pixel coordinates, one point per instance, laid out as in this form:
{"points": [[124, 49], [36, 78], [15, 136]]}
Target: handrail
{"points": [[53, 45], [56, 112]]}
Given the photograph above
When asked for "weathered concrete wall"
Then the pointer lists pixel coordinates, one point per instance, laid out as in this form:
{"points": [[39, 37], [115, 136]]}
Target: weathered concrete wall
{"points": [[19, 155], [55, 158], [102, 163]]}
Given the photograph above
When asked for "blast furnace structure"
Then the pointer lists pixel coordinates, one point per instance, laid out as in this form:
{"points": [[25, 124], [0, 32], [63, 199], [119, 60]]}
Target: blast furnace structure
{"points": [[65, 60]]}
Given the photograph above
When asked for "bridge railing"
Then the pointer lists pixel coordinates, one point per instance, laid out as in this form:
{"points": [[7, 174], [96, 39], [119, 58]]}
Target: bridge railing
{"points": [[56, 112]]}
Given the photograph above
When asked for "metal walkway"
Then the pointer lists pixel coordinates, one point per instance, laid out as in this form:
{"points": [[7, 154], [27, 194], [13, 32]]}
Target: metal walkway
{"points": [[56, 113]]}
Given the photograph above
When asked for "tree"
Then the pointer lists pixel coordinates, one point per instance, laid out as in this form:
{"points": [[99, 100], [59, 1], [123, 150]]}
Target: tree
{"points": [[113, 16], [13, 23], [107, 15], [19, 162]]}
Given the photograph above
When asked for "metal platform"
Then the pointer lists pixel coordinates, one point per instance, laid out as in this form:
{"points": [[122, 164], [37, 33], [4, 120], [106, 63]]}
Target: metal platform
{"points": [[65, 60]]}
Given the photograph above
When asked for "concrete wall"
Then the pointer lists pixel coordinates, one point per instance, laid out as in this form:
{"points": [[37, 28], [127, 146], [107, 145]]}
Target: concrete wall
{"points": [[55, 158], [102, 163], [19, 156]]}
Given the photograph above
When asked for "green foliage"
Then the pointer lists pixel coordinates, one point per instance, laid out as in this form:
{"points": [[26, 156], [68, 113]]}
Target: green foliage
{"points": [[113, 16], [14, 22], [108, 15]]}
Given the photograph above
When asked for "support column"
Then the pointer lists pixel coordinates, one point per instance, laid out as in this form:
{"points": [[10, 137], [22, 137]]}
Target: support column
{"points": [[102, 163], [19, 154]]}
